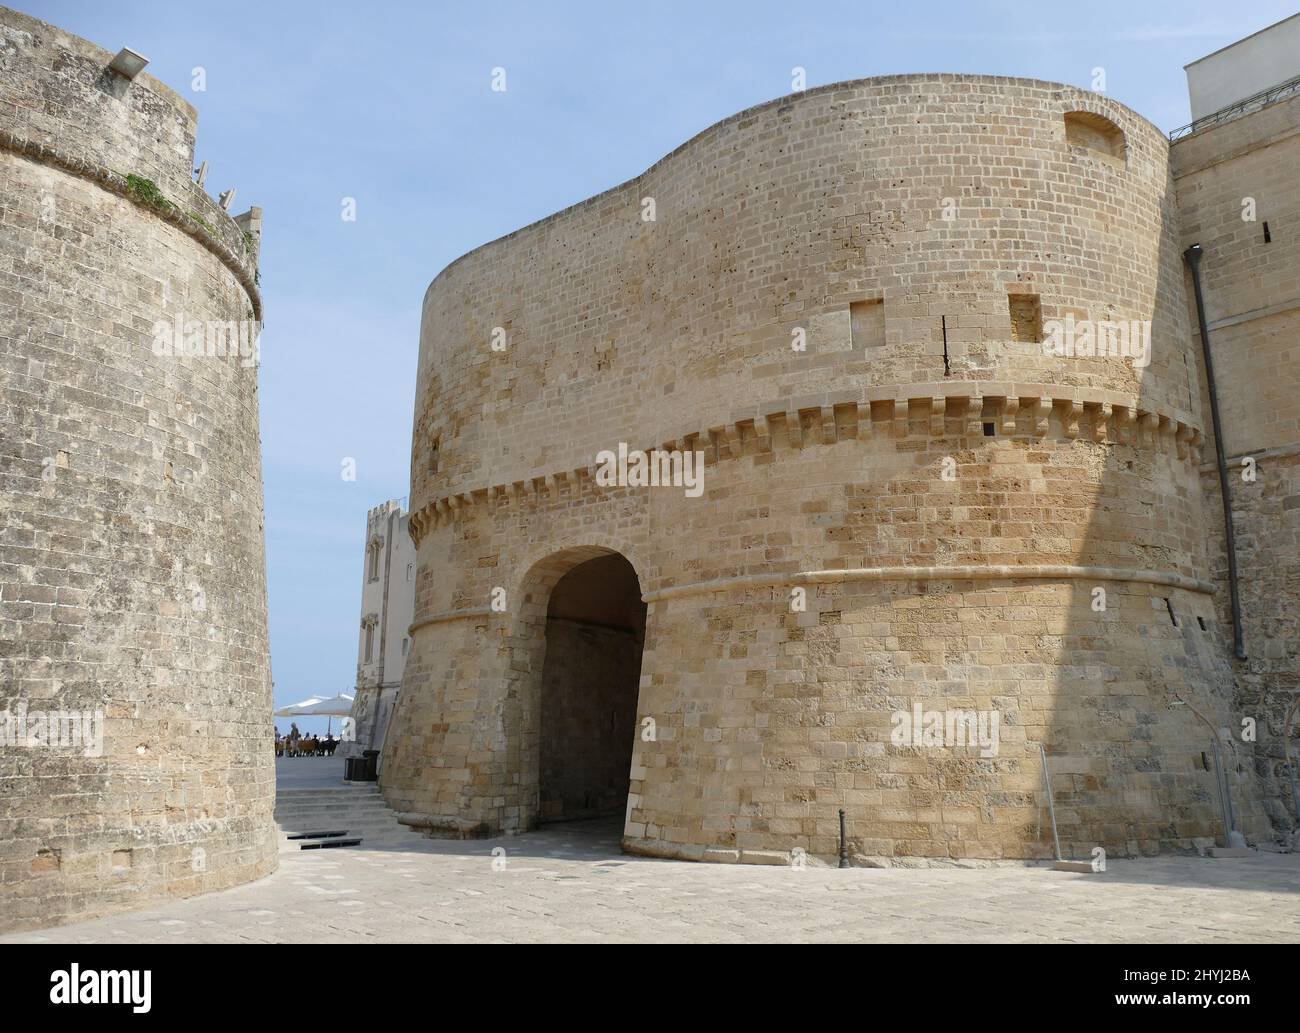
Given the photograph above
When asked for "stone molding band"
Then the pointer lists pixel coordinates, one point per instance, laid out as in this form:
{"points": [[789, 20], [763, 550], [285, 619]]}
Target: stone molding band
{"points": [[450, 615], [1033, 572], [1276, 452], [1109, 416], [110, 181]]}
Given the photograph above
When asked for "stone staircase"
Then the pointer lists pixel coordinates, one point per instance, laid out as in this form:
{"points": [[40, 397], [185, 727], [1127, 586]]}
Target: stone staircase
{"points": [[339, 817]]}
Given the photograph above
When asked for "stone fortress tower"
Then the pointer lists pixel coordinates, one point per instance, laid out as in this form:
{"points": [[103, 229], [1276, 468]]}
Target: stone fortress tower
{"points": [[909, 507], [132, 569]]}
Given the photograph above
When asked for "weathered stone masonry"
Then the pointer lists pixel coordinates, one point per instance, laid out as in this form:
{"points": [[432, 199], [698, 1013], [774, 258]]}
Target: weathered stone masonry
{"points": [[916, 229], [131, 548], [1252, 293]]}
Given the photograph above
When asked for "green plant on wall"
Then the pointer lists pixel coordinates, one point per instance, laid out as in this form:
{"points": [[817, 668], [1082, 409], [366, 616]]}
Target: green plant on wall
{"points": [[146, 191], [203, 222]]}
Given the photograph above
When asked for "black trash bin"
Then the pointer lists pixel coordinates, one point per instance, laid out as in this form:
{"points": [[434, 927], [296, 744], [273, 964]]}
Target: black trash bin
{"points": [[361, 769]]}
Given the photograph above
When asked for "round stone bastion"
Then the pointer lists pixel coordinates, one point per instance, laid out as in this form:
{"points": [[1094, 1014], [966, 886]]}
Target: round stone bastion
{"points": [[136, 759], [927, 338]]}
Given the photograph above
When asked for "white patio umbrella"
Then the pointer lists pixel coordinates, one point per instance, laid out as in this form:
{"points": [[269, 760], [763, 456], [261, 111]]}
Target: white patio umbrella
{"points": [[316, 706]]}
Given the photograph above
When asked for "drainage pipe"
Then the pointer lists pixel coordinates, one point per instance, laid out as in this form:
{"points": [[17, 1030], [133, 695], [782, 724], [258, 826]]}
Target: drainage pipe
{"points": [[1192, 256]]}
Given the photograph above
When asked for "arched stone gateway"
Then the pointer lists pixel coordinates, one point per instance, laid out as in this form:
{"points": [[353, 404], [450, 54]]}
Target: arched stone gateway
{"points": [[586, 701], [553, 742], [925, 544]]}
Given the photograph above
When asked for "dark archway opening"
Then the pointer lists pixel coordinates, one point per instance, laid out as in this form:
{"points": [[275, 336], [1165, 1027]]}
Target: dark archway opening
{"points": [[595, 631]]}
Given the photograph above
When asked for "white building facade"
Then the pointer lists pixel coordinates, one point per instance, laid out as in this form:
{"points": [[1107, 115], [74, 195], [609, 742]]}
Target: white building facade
{"points": [[387, 606]]}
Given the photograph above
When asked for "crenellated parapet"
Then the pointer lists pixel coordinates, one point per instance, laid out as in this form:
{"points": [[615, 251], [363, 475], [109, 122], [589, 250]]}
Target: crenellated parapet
{"points": [[133, 138], [969, 410]]}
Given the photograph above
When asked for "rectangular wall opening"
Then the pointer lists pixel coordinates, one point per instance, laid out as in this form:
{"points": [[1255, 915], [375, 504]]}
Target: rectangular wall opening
{"points": [[867, 324], [1097, 134], [1026, 318]]}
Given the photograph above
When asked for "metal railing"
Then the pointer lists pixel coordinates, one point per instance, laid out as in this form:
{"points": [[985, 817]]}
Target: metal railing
{"points": [[1259, 100]]}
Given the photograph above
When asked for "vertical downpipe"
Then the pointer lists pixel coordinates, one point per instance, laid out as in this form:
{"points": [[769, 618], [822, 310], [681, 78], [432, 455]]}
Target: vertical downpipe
{"points": [[1192, 256]]}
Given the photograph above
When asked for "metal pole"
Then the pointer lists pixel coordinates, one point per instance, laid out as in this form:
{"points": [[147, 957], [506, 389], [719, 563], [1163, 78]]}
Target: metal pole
{"points": [[844, 843], [1227, 784], [1051, 806], [1224, 805], [1286, 748], [1231, 836]]}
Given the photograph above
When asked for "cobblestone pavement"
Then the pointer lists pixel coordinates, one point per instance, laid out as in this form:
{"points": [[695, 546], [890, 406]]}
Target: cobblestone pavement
{"points": [[570, 883]]}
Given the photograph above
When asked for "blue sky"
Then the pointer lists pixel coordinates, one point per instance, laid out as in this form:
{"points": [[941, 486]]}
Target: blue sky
{"points": [[390, 103]]}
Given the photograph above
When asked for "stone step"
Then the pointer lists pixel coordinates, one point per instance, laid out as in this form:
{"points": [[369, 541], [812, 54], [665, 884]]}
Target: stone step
{"points": [[379, 807], [324, 844], [329, 798], [324, 808], [330, 795], [315, 834], [380, 840], [333, 819], [333, 801], [368, 835], [352, 828], [338, 817]]}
